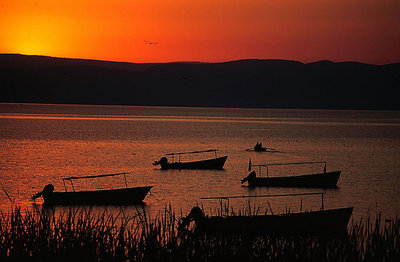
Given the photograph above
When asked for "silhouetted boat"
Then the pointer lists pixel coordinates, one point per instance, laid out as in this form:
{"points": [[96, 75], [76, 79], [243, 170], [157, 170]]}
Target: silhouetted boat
{"points": [[322, 180], [332, 222], [213, 163], [133, 195], [259, 148]]}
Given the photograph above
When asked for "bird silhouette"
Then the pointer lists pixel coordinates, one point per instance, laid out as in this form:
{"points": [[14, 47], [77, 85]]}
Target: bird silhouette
{"points": [[151, 43]]}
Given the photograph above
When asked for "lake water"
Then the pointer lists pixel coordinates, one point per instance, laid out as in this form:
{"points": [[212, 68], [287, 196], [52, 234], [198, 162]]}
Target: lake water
{"points": [[40, 144]]}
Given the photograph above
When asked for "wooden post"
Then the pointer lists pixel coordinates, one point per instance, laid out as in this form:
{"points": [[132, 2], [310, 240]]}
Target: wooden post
{"points": [[126, 184], [322, 201], [72, 184], [65, 187], [227, 212]]}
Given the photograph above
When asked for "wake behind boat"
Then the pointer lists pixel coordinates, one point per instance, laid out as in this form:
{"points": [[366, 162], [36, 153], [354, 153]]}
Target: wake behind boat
{"points": [[133, 195], [322, 180], [332, 222], [212, 163]]}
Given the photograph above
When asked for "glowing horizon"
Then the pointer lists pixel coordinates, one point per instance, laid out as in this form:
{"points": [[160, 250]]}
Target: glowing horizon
{"points": [[204, 31]]}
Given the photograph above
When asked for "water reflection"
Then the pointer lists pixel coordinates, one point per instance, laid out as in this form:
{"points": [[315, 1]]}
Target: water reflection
{"points": [[86, 140]]}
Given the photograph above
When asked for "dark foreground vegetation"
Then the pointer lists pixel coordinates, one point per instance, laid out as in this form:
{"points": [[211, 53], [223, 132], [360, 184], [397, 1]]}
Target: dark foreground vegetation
{"points": [[84, 235]]}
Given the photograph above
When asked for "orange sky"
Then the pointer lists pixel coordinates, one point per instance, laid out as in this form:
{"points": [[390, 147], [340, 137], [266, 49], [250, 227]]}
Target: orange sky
{"points": [[203, 30]]}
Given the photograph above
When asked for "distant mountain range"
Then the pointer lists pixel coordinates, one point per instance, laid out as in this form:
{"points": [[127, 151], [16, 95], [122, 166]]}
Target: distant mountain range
{"points": [[242, 83]]}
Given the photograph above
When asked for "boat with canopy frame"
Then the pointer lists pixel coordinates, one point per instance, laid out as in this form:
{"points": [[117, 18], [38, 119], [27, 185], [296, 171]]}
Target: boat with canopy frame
{"points": [[317, 180], [327, 222], [127, 195], [212, 163]]}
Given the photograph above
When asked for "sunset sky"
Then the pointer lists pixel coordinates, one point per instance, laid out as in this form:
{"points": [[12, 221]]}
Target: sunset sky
{"points": [[203, 30]]}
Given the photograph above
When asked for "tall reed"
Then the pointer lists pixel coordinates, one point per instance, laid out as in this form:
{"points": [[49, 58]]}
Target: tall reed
{"points": [[80, 234]]}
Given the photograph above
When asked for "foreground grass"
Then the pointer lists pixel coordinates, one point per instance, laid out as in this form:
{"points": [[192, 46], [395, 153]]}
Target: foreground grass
{"points": [[82, 235]]}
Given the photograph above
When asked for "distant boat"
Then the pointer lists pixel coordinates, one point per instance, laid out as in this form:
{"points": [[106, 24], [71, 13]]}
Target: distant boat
{"points": [[133, 195], [213, 163], [320, 222], [321, 180], [259, 148]]}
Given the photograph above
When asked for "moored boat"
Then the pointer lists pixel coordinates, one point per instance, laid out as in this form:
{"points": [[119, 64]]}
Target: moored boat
{"points": [[212, 163], [331, 222], [132, 195], [317, 180]]}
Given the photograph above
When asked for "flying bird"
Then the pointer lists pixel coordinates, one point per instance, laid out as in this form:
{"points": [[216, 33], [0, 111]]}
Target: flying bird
{"points": [[151, 43]]}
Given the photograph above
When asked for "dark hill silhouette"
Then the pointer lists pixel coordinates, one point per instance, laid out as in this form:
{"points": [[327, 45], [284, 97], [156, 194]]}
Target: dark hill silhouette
{"points": [[16, 61], [243, 83]]}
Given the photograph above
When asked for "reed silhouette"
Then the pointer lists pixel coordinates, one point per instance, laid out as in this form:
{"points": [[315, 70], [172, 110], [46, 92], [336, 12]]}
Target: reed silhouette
{"points": [[83, 235]]}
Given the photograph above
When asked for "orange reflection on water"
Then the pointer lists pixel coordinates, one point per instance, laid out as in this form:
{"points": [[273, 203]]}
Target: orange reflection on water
{"points": [[37, 149], [215, 119]]}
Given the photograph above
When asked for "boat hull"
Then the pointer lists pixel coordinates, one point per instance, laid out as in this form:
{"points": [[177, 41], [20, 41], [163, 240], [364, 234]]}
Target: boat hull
{"points": [[215, 163], [263, 149], [324, 222], [323, 180], [133, 195]]}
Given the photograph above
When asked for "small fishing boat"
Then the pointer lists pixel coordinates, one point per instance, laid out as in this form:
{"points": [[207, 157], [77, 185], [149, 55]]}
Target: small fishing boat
{"points": [[322, 180], [259, 148], [132, 195], [213, 163], [331, 222]]}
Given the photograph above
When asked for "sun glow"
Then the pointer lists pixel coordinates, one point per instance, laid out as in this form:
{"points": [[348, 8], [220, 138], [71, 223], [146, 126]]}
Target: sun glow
{"points": [[206, 30], [36, 35]]}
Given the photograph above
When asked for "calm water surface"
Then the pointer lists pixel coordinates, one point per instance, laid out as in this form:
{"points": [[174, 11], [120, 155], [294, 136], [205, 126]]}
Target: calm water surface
{"points": [[40, 144]]}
